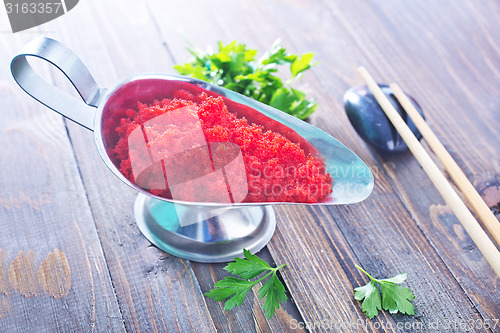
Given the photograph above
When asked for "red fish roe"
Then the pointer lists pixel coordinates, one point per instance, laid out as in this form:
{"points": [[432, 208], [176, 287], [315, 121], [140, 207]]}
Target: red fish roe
{"points": [[277, 170]]}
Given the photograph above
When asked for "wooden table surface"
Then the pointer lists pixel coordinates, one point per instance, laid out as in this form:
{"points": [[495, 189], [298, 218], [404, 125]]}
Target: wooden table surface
{"points": [[63, 213]]}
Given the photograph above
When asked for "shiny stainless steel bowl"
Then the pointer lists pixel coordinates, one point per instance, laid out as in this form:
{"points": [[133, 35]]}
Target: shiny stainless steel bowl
{"points": [[199, 231]]}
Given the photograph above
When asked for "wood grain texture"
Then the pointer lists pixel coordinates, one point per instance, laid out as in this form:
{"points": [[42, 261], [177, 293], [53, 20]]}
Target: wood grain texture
{"points": [[156, 291], [375, 214], [446, 54], [249, 317], [54, 274], [43, 206], [449, 106], [22, 274], [455, 122], [4, 275], [266, 23], [483, 211], [438, 179]]}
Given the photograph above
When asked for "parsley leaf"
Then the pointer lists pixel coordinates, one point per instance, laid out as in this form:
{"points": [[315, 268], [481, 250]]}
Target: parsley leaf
{"points": [[372, 302], [247, 269], [394, 297], [228, 287], [301, 64], [236, 289], [274, 292], [235, 67]]}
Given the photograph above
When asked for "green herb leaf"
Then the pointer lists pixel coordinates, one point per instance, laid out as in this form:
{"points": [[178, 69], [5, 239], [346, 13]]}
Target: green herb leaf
{"points": [[234, 67], [398, 279], [301, 64], [394, 297], [283, 99], [277, 55], [372, 302], [236, 289], [190, 70], [247, 269], [230, 286], [274, 292]]}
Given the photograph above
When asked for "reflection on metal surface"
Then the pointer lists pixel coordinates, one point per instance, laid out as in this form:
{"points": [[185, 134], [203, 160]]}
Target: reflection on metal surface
{"points": [[225, 225], [218, 236]]}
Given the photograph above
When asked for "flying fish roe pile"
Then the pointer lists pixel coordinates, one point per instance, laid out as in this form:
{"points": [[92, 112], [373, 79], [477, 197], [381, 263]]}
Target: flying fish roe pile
{"points": [[277, 170]]}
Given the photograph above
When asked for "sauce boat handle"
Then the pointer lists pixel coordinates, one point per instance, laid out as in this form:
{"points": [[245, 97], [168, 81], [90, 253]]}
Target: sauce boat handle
{"points": [[49, 95]]}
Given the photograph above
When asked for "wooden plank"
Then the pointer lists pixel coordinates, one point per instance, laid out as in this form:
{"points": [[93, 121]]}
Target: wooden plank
{"points": [[248, 317], [407, 249], [454, 107], [53, 275], [156, 292], [334, 37], [447, 107]]}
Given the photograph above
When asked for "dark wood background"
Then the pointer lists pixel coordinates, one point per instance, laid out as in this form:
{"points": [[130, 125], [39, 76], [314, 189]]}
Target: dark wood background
{"points": [[55, 192]]}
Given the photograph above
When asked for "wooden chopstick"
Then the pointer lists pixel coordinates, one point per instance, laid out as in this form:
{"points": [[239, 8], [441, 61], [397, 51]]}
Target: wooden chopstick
{"points": [[485, 214], [483, 243]]}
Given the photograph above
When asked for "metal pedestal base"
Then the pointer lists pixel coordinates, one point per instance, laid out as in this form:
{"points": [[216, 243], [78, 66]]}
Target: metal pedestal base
{"points": [[201, 233]]}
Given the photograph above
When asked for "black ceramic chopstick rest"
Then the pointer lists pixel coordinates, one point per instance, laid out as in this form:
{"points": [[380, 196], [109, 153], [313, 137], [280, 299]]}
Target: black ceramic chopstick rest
{"points": [[370, 121]]}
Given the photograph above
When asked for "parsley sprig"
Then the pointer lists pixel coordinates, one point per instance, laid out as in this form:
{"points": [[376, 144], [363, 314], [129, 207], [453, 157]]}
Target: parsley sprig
{"points": [[234, 66], [394, 298], [238, 287]]}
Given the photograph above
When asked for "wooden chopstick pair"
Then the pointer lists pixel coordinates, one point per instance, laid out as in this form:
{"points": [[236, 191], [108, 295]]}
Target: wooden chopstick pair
{"points": [[484, 244]]}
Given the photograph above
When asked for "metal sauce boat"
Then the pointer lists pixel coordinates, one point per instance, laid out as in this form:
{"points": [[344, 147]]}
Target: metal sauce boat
{"points": [[200, 231]]}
